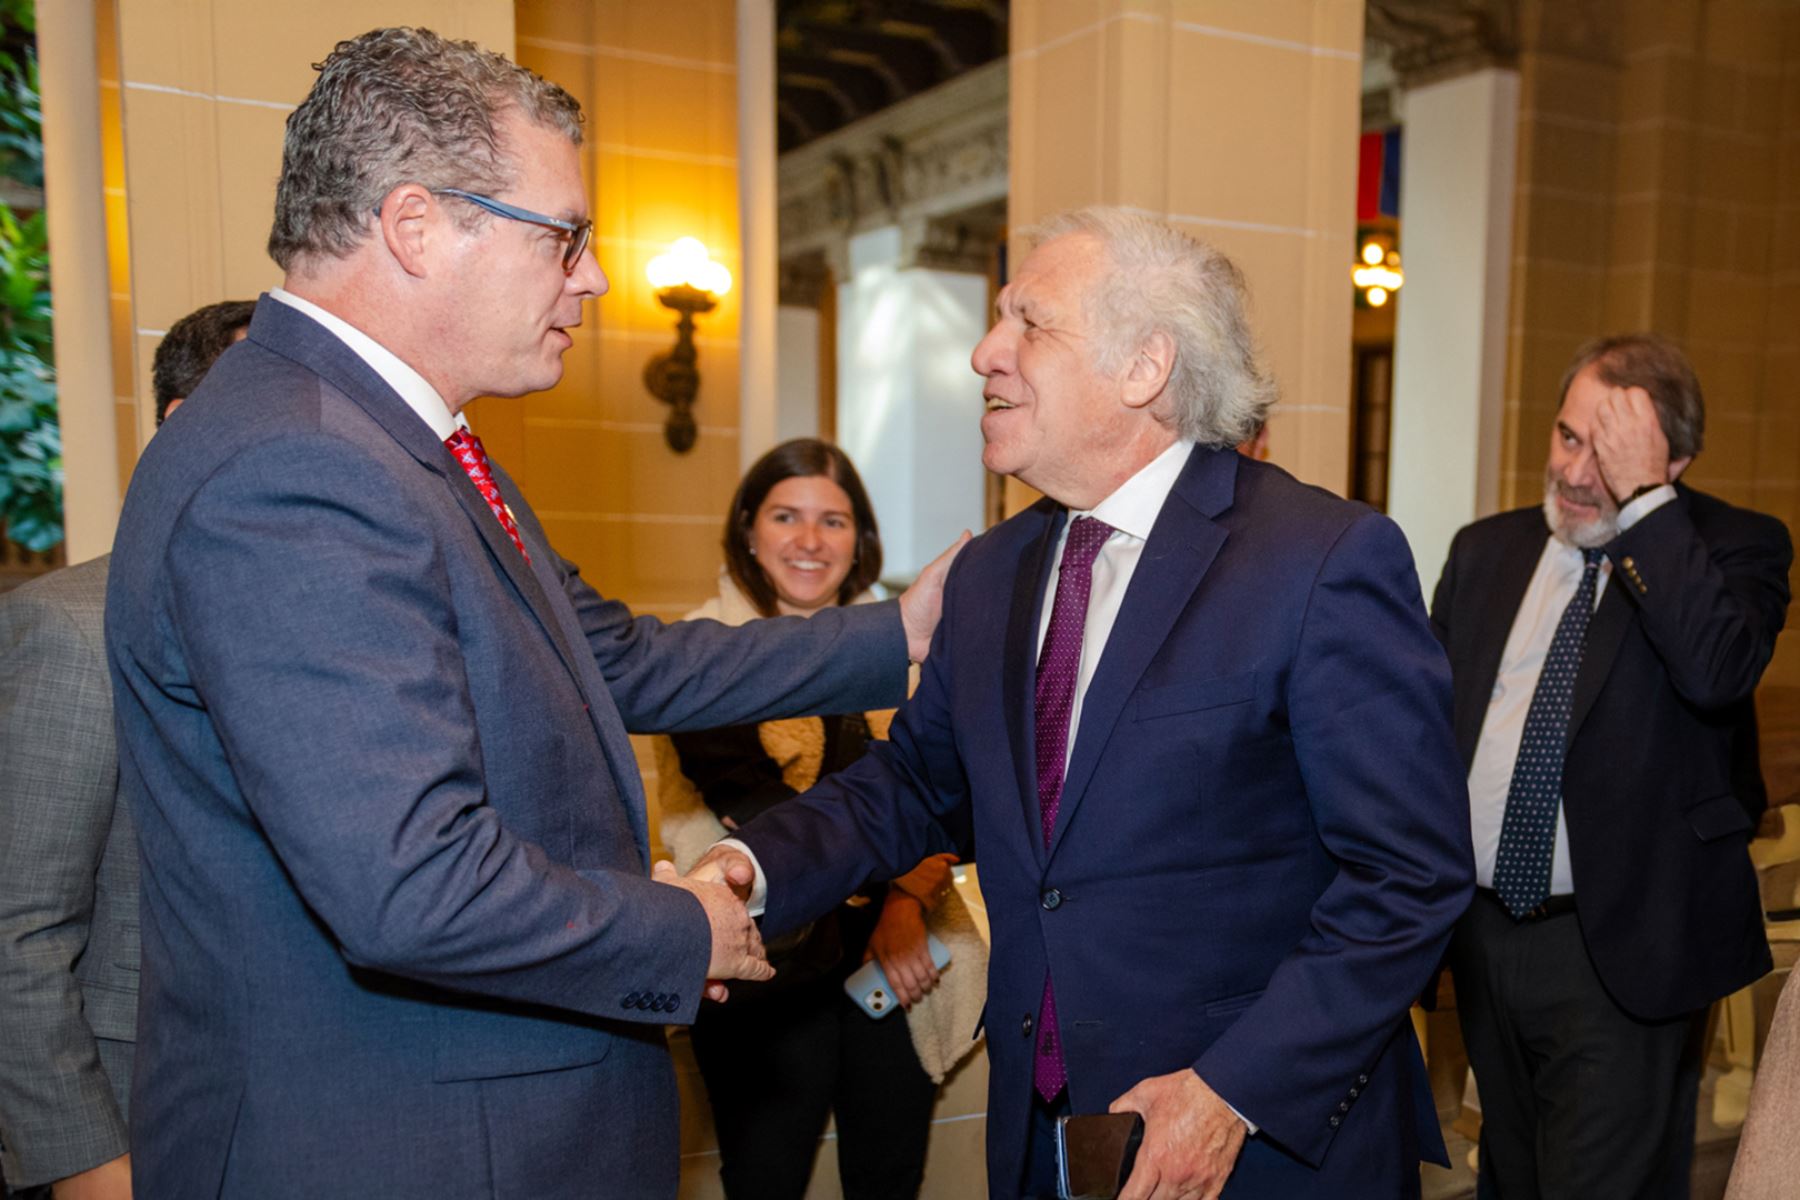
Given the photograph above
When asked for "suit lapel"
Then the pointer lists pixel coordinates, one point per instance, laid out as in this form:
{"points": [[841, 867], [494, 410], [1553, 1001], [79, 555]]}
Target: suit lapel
{"points": [[1180, 548], [1605, 634], [1511, 576], [602, 712], [292, 334], [1020, 663]]}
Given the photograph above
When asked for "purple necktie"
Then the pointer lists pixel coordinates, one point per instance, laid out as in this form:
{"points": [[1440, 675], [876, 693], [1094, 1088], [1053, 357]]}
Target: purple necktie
{"points": [[1059, 662]]}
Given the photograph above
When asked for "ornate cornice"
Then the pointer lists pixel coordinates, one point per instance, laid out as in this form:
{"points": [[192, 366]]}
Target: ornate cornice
{"points": [[1440, 39], [937, 155]]}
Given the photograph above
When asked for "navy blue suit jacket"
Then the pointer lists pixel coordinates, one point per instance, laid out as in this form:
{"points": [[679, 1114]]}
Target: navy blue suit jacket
{"points": [[1662, 788], [398, 938], [1263, 838]]}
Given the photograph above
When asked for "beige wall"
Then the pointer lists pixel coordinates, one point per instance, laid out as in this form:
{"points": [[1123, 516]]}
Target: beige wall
{"points": [[658, 83], [203, 88], [1237, 120], [1659, 188]]}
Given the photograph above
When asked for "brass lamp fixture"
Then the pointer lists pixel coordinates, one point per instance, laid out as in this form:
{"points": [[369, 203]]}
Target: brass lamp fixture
{"points": [[690, 283]]}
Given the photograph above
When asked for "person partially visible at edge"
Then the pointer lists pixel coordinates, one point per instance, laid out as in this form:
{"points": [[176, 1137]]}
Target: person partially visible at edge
{"points": [[68, 857], [1606, 646], [401, 933], [779, 1058]]}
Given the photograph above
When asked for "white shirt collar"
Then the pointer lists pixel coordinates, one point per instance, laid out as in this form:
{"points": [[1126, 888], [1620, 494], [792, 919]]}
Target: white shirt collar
{"points": [[1132, 509], [419, 395]]}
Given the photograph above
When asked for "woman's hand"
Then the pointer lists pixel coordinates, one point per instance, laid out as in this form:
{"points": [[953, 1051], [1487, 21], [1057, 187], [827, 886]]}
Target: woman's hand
{"points": [[899, 941]]}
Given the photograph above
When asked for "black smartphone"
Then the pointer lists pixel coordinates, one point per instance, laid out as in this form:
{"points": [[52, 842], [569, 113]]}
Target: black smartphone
{"points": [[1095, 1153]]}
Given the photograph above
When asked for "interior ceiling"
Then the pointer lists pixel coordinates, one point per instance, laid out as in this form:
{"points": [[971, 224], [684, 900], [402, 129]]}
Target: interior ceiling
{"points": [[839, 60]]}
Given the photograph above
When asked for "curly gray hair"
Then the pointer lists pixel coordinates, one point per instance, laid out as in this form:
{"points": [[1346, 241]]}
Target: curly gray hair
{"points": [[1162, 280], [396, 106]]}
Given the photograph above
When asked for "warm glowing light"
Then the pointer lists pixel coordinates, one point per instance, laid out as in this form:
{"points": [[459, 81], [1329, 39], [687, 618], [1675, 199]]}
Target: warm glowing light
{"points": [[1386, 278], [1377, 297], [687, 263], [1372, 253]]}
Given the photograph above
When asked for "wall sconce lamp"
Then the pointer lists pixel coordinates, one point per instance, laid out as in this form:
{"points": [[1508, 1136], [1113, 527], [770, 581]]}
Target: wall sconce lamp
{"points": [[1378, 276], [688, 282]]}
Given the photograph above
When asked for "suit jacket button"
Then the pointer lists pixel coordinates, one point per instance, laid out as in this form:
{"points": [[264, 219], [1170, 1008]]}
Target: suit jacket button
{"points": [[1354, 1093], [1025, 1025], [674, 1001], [1362, 1079], [1343, 1106], [1051, 899], [630, 1001], [1336, 1121]]}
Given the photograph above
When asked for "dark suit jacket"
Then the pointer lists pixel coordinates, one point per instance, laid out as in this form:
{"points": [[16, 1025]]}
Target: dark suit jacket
{"points": [[68, 886], [1262, 843], [398, 935], [1659, 801]]}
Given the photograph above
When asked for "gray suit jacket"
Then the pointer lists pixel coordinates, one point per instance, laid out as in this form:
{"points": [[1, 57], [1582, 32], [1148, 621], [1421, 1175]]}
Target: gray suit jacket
{"points": [[399, 938], [68, 886]]}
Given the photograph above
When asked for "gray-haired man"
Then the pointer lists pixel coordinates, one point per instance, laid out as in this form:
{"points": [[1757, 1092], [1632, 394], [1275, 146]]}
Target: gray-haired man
{"points": [[1204, 732]]}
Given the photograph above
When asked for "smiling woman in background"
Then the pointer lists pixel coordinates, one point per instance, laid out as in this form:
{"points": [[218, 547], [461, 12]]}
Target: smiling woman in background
{"points": [[778, 1057]]}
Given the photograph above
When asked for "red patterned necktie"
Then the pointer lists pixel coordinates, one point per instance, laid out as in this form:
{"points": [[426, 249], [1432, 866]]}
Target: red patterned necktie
{"points": [[1059, 663], [467, 449]]}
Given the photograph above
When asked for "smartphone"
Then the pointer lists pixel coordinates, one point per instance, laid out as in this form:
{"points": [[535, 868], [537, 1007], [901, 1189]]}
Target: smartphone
{"points": [[868, 985], [1095, 1153]]}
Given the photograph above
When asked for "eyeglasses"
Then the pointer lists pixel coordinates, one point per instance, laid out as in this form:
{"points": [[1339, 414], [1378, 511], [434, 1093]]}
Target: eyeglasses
{"points": [[580, 232]]}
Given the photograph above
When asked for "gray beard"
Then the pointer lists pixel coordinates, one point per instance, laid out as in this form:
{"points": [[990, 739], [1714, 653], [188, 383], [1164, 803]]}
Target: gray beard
{"points": [[1597, 532]]}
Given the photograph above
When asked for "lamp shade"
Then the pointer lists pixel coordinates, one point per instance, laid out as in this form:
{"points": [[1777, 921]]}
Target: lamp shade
{"points": [[687, 263]]}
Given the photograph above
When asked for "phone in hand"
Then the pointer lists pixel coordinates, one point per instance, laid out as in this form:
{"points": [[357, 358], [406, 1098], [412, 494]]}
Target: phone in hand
{"points": [[1095, 1153], [869, 986]]}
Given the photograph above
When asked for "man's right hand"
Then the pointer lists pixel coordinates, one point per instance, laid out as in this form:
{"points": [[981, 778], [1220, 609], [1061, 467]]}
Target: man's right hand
{"points": [[737, 949], [111, 1180]]}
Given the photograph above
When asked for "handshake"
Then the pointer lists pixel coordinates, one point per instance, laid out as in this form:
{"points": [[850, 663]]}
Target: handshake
{"points": [[721, 881]]}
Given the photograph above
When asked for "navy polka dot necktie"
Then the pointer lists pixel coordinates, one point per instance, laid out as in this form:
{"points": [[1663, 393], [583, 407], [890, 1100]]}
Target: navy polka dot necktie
{"points": [[1528, 831]]}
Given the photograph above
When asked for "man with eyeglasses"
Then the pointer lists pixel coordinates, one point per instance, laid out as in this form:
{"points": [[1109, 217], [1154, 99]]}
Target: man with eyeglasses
{"points": [[401, 936]]}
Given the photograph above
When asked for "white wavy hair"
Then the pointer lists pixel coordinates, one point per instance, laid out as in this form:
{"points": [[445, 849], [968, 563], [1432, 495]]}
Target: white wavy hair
{"points": [[1163, 281]]}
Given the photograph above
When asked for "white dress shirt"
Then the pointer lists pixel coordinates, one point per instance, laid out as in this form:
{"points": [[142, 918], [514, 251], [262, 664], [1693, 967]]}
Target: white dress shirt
{"points": [[1552, 587], [419, 395], [1131, 511]]}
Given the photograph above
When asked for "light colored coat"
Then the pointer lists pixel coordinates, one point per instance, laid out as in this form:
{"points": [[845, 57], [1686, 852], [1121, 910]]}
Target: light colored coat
{"points": [[1768, 1157]]}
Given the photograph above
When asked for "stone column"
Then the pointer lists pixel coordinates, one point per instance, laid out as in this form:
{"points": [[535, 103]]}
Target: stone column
{"points": [[1458, 68], [759, 417], [74, 193], [1235, 121], [908, 403], [1456, 202]]}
